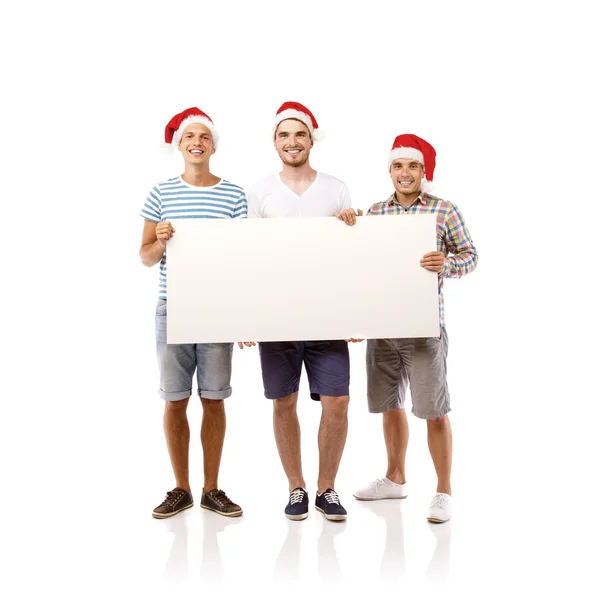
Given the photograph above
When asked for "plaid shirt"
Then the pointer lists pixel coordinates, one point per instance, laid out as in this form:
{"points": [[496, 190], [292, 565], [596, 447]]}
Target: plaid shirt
{"points": [[452, 236]]}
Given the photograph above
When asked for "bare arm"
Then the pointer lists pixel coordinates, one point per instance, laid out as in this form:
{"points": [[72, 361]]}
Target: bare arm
{"points": [[153, 241]]}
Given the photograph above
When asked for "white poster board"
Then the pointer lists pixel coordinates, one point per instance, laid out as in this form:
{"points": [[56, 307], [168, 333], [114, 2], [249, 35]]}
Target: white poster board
{"points": [[301, 279]]}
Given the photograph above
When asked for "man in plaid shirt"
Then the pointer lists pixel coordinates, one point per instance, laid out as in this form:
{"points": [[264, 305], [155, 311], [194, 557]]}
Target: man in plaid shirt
{"points": [[393, 363]]}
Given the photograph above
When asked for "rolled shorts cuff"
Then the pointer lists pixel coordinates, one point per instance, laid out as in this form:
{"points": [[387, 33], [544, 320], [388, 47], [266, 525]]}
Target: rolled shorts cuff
{"points": [[215, 395], [174, 396]]}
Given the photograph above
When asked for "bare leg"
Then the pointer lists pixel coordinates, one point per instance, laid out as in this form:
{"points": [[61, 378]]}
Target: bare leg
{"points": [[331, 438], [396, 436], [288, 439], [440, 443], [176, 430], [213, 428]]}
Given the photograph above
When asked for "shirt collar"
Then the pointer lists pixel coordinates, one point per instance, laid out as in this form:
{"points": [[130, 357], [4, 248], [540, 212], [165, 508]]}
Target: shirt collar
{"points": [[392, 200]]}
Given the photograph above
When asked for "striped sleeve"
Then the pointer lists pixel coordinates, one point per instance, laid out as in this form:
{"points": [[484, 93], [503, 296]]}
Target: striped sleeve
{"points": [[464, 256], [240, 211], [152, 209]]}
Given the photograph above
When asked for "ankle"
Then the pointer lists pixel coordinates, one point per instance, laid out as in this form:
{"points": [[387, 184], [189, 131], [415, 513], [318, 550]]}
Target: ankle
{"points": [[396, 476]]}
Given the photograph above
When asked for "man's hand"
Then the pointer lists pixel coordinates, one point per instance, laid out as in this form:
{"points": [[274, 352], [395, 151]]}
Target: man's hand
{"points": [[164, 231], [349, 216], [433, 261], [240, 344], [355, 340]]}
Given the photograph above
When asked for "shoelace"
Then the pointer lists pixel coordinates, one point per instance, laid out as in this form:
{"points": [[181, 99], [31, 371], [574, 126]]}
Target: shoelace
{"points": [[221, 497], [331, 497], [297, 496], [439, 501], [171, 498]]}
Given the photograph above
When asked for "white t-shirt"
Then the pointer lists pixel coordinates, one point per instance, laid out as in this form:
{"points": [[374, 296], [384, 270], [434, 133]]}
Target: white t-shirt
{"points": [[272, 198]]}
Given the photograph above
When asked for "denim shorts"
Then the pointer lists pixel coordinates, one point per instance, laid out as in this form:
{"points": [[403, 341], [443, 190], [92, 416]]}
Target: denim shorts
{"points": [[392, 364], [178, 363], [326, 363]]}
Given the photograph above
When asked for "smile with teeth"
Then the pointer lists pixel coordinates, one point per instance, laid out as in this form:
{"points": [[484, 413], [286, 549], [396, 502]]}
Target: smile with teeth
{"points": [[196, 152], [294, 151], [405, 182]]}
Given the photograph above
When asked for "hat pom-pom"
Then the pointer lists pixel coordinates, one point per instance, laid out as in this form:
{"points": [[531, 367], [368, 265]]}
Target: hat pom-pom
{"points": [[427, 187], [318, 135], [166, 149]]}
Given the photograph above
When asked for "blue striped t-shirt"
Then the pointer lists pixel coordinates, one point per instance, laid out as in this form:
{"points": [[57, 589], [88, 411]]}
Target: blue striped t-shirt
{"points": [[175, 199]]}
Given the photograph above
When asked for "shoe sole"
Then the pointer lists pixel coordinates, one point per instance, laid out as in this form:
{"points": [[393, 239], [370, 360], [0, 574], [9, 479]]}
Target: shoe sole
{"points": [[228, 514], [385, 498], [296, 517], [332, 517], [432, 520], [166, 516]]}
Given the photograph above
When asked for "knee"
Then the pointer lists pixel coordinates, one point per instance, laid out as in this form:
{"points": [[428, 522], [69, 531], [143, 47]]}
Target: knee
{"points": [[176, 406], [285, 405], [336, 408], [438, 423], [212, 405]]}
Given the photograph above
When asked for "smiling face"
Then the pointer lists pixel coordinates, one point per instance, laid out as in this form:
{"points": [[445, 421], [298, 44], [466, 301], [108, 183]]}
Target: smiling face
{"points": [[196, 144], [293, 142], [407, 175]]}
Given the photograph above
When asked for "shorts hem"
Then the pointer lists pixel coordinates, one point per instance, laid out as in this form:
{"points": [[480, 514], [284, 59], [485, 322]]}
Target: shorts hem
{"points": [[332, 394], [379, 410], [215, 395], [429, 416], [283, 394], [174, 396]]}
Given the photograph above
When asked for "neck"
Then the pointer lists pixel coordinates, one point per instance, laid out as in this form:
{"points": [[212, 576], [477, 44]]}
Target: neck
{"points": [[406, 200], [297, 174], [199, 175]]}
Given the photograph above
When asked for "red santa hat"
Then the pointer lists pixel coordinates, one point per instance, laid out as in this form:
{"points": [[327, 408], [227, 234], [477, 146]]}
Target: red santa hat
{"points": [[294, 110], [176, 126], [410, 146]]}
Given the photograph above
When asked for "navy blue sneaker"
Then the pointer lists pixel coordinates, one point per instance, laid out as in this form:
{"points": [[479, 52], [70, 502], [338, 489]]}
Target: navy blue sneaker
{"points": [[298, 505], [329, 504]]}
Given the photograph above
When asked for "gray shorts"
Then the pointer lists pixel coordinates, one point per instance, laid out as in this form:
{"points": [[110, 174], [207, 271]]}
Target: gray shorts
{"points": [[178, 363], [391, 364]]}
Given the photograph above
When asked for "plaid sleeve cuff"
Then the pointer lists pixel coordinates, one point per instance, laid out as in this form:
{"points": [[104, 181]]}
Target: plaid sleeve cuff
{"points": [[446, 269]]}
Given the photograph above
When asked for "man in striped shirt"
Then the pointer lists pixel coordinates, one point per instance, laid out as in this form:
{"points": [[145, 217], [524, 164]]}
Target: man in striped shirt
{"points": [[391, 364], [196, 194]]}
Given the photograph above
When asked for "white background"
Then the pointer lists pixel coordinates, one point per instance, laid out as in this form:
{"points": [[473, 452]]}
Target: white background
{"points": [[505, 93]]}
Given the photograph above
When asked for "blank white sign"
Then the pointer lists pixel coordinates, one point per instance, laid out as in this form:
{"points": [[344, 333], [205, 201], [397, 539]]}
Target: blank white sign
{"points": [[301, 279]]}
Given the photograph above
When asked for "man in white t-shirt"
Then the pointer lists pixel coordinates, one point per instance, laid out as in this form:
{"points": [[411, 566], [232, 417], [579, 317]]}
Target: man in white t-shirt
{"points": [[300, 191]]}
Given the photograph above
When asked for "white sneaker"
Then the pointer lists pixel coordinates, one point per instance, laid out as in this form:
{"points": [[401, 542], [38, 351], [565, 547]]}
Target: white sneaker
{"points": [[382, 489], [440, 509]]}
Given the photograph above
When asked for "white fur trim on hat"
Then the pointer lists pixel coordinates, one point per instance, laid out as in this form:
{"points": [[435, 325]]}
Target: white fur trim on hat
{"points": [[291, 113], [176, 138], [405, 153]]}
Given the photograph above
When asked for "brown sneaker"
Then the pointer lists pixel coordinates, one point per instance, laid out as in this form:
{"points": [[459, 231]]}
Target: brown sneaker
{"points": [[219, 502], [176, 500]]}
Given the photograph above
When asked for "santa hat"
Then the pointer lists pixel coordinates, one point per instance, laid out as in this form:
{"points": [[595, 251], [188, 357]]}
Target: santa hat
{"points": [[294, 110], [176, 126], [408, 145]]}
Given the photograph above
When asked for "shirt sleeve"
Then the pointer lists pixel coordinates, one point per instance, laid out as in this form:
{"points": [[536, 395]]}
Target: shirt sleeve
{"points": [[152, 209], [463, 256], [240, 211], [345, 198], [254, 209]]}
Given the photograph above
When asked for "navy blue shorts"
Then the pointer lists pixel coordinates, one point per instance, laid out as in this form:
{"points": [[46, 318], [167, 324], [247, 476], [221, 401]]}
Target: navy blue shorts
{"points": [[326, 363]]}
